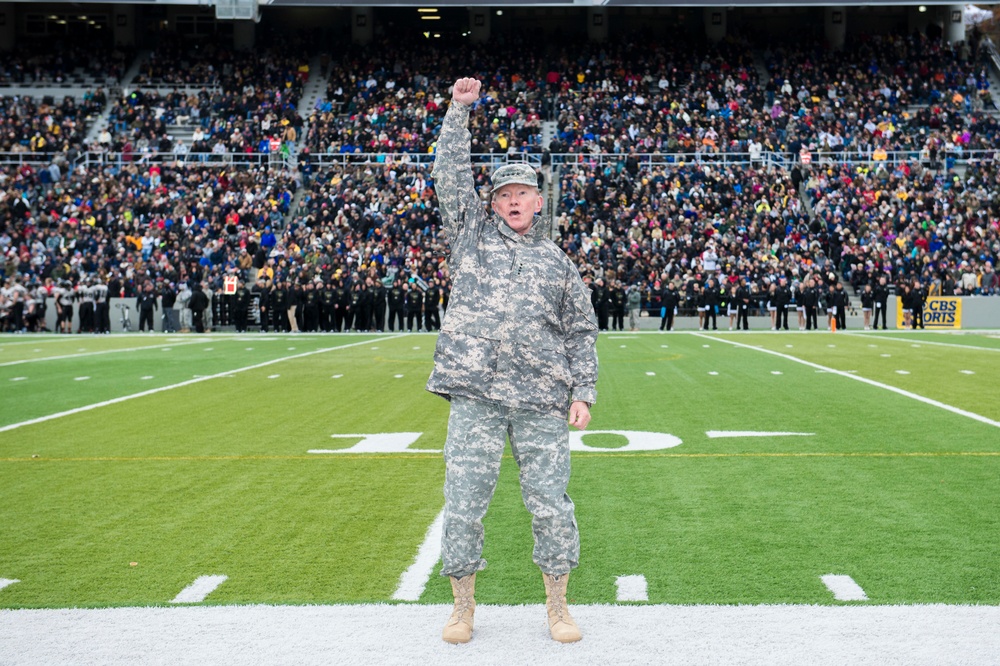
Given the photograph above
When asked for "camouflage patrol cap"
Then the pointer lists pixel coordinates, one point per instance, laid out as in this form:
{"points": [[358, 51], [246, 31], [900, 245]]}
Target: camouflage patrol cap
{"points": [[513, 173]]}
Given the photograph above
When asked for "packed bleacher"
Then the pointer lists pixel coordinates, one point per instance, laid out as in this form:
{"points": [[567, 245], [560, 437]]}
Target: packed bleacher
{"points": [[645, 196]]}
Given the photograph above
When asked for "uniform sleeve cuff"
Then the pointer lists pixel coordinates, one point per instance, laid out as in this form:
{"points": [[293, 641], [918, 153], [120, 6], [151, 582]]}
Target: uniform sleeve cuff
{"points": [[587, 395]]}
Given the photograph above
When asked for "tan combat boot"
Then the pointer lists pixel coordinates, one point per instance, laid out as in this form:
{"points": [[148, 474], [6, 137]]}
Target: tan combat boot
{"points": [[562, 626], [459, 627]]}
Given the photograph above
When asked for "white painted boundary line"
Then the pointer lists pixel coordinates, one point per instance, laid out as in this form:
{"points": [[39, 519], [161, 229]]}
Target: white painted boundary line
{"points": [[869, 336], [870, 382], [406, 634], [414, 579], [844, 588], [197, 591], [632, 588], [5, 582], [142, 394], [125, 350]]}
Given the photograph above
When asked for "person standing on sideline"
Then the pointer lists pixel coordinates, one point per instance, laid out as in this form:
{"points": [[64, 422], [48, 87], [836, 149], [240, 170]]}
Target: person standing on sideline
{"points": [[102, 309], [841, 301], [881, 293], [867, 303], [917, 298], [198, 304], [516, 355], [669, 300], [395, 296], [810, 300], [616, 298], [784, 297], [145, 303], [743, 296], [712, 297], [633, 301]]}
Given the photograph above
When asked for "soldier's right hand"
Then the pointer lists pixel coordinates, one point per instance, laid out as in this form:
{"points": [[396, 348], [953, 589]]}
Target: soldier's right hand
{"points": [[466, 91]]}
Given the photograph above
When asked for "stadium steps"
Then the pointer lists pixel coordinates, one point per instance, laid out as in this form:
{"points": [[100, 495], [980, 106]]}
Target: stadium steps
{"points": [[128, 78], [761, 67]]}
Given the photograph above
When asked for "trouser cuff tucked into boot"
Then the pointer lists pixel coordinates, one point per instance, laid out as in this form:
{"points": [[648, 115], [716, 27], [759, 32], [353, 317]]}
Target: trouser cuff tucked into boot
{"points": [[459, 627], [562, 626]]}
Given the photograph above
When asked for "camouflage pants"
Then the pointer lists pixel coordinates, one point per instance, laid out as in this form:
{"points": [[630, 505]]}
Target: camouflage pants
{"points": [[477, 431]]}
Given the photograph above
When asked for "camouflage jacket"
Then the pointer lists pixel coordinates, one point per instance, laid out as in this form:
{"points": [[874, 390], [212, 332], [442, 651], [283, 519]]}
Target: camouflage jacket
{"points": [[519, 329]]}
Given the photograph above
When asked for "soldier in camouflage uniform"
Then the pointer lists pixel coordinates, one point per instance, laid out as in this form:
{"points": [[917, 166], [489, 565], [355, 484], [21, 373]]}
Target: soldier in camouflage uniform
{"points": [[516, 354]]}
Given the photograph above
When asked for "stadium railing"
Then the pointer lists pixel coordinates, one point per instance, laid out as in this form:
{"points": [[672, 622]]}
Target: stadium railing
{"points": [[593, 160]]}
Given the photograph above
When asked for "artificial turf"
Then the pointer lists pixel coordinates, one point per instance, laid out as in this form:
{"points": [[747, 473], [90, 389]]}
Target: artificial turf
{"points": [[215, 476]]}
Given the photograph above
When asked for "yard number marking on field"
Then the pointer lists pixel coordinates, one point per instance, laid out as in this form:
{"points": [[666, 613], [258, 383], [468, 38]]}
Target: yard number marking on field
{"points": [[632, 588], [199, 589], [844, 588], [722, 434], [4, 582]]}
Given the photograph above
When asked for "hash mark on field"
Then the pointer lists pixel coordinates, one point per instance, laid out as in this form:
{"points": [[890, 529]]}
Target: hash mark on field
{"points": [[291, 349], [398, 376], [80, 379], [209, 348], [336, 377], [632, 588], [414, 579], [17, 379], [146, 377], [844, 588], [650, 374], [967, 372], [832, 346], [167, 348], [915, 346], [886, 355], [199, 589], [789, 346], [622, 346], [902, 372], [664, 346], [249, 349], [416, 348], [776, 372], [706, 346], [4, 582], [273, 376], [374, 348], [713, 373]]}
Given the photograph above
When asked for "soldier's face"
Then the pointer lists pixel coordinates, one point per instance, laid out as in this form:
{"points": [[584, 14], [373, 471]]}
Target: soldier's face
{"points": [[517, 205]]}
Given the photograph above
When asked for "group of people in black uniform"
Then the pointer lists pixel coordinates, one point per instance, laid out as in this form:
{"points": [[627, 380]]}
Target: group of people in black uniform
{"points": [[808, 299], [340, 306]]}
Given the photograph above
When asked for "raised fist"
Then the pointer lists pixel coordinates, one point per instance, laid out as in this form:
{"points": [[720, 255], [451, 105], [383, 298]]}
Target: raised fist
{"points": [[466, 91]]}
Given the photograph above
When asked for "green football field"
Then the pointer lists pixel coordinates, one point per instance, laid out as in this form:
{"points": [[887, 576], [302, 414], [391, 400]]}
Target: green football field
{"points": [[723, 468]]}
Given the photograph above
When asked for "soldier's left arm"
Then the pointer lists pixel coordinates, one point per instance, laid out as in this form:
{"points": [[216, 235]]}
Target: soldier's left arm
{"points": [[579, 326]]}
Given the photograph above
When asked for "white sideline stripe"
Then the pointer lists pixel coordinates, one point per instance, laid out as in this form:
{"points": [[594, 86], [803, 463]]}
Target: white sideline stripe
{"points": [[632, 588], [717, 434], [870, 382], [96, 353], [923, 342], [6, 582], [143, 394], [844, 588], [390, 634], [414, 579], [197, 591]]}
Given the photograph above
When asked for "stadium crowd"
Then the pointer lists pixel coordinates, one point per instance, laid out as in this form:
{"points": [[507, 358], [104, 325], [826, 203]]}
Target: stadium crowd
{"points": [[648, 208]]}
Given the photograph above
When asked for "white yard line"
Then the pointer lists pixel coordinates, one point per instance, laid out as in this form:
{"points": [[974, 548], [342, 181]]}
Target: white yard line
{"points": [[844, 588], [632, 588], [142, 394], [870, 336], [98, 353], [625, 635], [414, 579], [196, 592], [858, 378]]}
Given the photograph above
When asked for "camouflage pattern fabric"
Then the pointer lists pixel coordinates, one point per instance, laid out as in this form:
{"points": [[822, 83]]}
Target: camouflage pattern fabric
{"points": [[520, 330], [477, 431]]}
